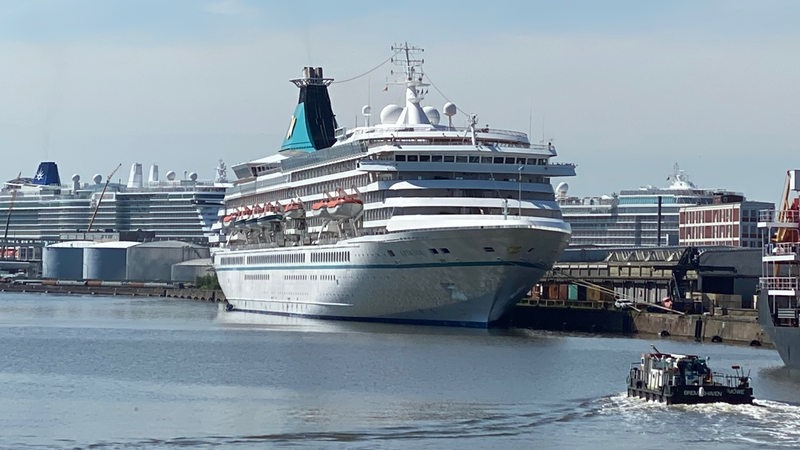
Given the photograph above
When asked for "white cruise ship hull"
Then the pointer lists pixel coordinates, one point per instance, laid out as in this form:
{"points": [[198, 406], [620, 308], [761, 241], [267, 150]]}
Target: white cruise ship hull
{"points": [[458, 277]]}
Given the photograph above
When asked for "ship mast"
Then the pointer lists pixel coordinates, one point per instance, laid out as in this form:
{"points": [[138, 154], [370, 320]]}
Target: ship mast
{"points": [[99, 200], [411, 64]]}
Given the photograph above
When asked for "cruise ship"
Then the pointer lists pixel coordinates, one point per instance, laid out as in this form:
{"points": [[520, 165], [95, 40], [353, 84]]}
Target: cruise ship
{"points": [[778, 300], [40, 209], [644, 217], [408, 220]]}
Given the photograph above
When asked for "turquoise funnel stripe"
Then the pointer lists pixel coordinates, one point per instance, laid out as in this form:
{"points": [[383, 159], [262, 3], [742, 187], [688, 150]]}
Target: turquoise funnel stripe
{"points": [[298, 136]]}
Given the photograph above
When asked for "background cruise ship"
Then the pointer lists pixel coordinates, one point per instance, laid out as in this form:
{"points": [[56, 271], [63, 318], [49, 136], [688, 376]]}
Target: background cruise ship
{"points": [[41, 210], [644, 217]]}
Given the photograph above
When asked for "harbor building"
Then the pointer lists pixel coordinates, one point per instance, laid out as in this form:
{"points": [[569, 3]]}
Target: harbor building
{"points": [[729, 221]]}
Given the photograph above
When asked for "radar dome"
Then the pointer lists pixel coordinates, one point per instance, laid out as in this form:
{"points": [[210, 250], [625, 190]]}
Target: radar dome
{"points": [[171, 175], [390, 114], [76, 178], [366, 110], [450, 109], [193, 176], [561, 189], [433, 114], [97, 178]]}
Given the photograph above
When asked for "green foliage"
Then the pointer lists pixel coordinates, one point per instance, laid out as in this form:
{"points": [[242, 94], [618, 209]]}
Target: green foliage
{"points": [[208, 282]]}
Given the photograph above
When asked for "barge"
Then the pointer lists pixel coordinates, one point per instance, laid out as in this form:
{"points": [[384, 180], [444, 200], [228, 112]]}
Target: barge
{"points": [[686, 379]]}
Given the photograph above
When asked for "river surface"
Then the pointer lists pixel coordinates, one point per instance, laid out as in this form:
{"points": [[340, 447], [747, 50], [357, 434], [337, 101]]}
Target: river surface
{"points": [[134, 372]]}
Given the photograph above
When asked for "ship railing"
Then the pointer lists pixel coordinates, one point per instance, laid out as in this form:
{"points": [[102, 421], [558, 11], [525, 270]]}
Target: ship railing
{"points": [[731, 381], [782, 215], [781, 248], [778, 283]]}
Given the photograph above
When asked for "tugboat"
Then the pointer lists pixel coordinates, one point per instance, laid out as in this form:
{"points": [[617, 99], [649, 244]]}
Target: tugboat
{"points": [[686, 379]]}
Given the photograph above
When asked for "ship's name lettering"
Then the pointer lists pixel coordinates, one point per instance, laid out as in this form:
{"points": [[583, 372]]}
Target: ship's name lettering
{"points": [[736, 391], [707, 394]]}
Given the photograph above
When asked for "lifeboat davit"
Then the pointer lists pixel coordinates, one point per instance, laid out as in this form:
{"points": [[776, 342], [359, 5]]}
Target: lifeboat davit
{"points": [[294, 210], [272, 213], [345, 206]]}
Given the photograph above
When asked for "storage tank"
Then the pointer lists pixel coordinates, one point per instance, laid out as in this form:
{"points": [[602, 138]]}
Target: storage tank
{"points": [[64, 260], [153, 261], [106, 261], [190, 271]]}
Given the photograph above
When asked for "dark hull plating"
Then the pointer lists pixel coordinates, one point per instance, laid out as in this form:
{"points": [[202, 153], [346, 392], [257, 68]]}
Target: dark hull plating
{"points": [[689, 395]]}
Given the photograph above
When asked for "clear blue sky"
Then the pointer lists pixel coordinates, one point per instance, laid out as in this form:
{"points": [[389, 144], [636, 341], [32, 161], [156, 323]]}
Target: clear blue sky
{"points": [[625, 89]]}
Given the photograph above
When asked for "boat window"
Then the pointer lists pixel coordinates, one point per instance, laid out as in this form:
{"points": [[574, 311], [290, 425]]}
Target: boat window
{"points": [[488, 249], [520, 160], [486, 159], [532, 161], [474, 159], [436, 158], [424, 158], [510, 160], [399, 157], [391, 253], [461, 159], [449, 158], [543, 162], [433, 251], [498, 160], [413, 158], [444, 250]]}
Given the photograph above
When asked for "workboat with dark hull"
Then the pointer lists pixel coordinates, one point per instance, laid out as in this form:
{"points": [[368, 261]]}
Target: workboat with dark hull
{"points": [[686, 379]]}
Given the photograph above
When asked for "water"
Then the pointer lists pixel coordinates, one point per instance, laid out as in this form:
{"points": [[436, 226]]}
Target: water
{"points": [[119, 372]]}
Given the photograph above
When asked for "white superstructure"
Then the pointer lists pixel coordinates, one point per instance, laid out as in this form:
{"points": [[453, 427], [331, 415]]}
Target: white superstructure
{"points": [[407, 220]]}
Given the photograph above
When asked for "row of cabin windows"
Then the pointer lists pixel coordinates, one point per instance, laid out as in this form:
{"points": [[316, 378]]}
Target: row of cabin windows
{"points": [[472, 159], [279, 258], [256, 276], [327, 257]]}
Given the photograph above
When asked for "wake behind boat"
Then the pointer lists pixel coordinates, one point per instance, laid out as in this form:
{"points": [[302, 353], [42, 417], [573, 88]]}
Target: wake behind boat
{"points": [[407, 220]]}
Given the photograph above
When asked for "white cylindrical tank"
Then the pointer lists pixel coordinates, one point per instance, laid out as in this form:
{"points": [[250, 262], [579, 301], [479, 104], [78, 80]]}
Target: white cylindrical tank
{"points": [[106, 261], [64, 260]]}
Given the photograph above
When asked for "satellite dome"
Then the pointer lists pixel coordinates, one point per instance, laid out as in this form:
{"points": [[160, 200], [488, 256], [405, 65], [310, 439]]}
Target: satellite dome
{"points": [[433, 114], [97, 178], [390, 114], [366, 110], [171, 175], [193, 176], [562, 188], [450, 109], [76, 178]]}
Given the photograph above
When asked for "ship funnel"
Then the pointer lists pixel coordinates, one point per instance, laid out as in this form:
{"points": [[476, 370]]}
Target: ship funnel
{"points": [[135, 177], [313, 124], [47, 174], [153, 177]]}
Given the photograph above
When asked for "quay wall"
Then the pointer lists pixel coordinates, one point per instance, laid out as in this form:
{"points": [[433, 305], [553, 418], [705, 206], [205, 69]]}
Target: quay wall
{"points": [[740, 328], [184, 293]]}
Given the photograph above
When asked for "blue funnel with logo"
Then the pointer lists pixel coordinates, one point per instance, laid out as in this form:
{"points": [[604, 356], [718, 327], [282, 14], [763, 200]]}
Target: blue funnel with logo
{"points": [[47, 174]]}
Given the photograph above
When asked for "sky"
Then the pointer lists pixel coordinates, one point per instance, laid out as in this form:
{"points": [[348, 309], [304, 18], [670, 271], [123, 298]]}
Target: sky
{"points": [[624, 89]]}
